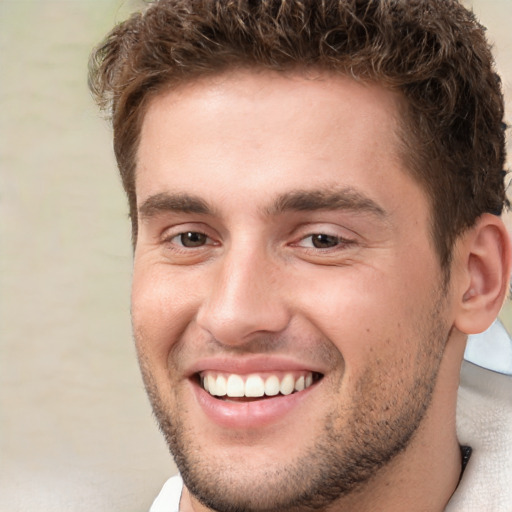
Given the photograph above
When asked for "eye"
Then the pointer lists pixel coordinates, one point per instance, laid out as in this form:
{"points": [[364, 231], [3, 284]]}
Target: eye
{"points": [[190, 239], [324, 241]]}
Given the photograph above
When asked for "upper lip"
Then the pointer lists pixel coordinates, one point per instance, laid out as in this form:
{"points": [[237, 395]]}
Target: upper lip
{"points": [[253, 364]]}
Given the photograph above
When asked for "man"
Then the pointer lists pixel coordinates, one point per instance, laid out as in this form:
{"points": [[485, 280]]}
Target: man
{"points": [[315, 190]]}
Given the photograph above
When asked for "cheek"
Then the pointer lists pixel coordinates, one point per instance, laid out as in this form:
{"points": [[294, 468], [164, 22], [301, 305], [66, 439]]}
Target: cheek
{"points": [[162, 307], [368, 315]]}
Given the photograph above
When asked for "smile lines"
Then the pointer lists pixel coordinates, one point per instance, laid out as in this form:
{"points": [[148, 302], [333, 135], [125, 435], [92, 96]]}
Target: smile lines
{"points": [[254, 385]]}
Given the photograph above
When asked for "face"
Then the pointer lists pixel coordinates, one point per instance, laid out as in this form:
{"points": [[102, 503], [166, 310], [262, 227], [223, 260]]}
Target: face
{"points": [[287, 302]]}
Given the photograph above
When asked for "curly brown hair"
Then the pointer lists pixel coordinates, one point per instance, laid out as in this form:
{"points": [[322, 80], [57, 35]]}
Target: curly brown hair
{"points": [[432, 51]]}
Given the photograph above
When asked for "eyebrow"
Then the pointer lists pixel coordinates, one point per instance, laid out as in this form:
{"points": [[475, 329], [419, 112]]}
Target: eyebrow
{"points": [[179, 203], [296, 200], [312, 200]]}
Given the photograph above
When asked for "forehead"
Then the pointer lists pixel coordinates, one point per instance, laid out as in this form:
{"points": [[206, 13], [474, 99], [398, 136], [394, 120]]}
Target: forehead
{"points": [[265, 129], [228, 96]]}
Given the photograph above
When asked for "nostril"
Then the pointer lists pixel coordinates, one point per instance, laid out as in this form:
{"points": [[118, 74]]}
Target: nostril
{"points": [[241, 302]]}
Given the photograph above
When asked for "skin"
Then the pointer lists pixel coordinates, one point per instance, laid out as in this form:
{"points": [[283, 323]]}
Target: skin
{"points": [[254, 164]]}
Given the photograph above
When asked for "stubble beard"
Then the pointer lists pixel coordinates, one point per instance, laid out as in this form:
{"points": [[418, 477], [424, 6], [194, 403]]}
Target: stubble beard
{"points": [[355, 444]]}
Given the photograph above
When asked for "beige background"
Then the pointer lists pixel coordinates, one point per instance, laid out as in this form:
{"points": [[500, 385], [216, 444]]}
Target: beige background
{"points": [[76, 433]]}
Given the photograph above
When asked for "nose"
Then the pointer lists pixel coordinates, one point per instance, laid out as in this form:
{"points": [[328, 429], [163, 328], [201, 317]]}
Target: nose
{"points": [[245, 298]]}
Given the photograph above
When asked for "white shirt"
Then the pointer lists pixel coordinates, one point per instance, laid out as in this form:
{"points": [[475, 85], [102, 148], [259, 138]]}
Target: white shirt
{"points": [[169, 498]]}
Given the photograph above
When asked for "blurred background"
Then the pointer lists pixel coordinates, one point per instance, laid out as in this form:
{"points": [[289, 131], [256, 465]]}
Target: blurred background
{"points": [[76, 431]]}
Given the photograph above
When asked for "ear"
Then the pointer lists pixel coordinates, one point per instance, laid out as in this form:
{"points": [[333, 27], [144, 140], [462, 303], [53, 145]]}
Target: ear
{"points": [[484, 255]]}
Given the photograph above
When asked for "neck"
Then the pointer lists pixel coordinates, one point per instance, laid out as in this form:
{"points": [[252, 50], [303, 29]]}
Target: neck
{"points": [[421, 479], [425, 475]]}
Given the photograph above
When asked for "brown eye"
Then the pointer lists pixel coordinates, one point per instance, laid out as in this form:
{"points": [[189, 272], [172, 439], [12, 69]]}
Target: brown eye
{"points": [[192, 239], [323, 241]]}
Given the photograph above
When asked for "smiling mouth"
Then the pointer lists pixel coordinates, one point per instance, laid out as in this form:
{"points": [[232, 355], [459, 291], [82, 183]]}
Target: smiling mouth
{"points": [[251, 387]]}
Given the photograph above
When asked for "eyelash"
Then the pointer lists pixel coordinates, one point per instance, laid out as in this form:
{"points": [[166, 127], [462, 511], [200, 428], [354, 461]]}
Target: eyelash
{"points": [[335, 240], [339, 243], [172, 239], [201, 241]]}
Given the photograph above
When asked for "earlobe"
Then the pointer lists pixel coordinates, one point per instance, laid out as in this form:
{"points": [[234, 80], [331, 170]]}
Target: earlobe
{"points": [[486, 260]]}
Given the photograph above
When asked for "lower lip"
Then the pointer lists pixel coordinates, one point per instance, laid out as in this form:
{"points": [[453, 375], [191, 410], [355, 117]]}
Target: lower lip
{"points": [[249, 415]]}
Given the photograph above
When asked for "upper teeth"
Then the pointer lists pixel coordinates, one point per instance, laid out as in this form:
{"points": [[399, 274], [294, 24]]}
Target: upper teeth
{"points": [[254, 385]]}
